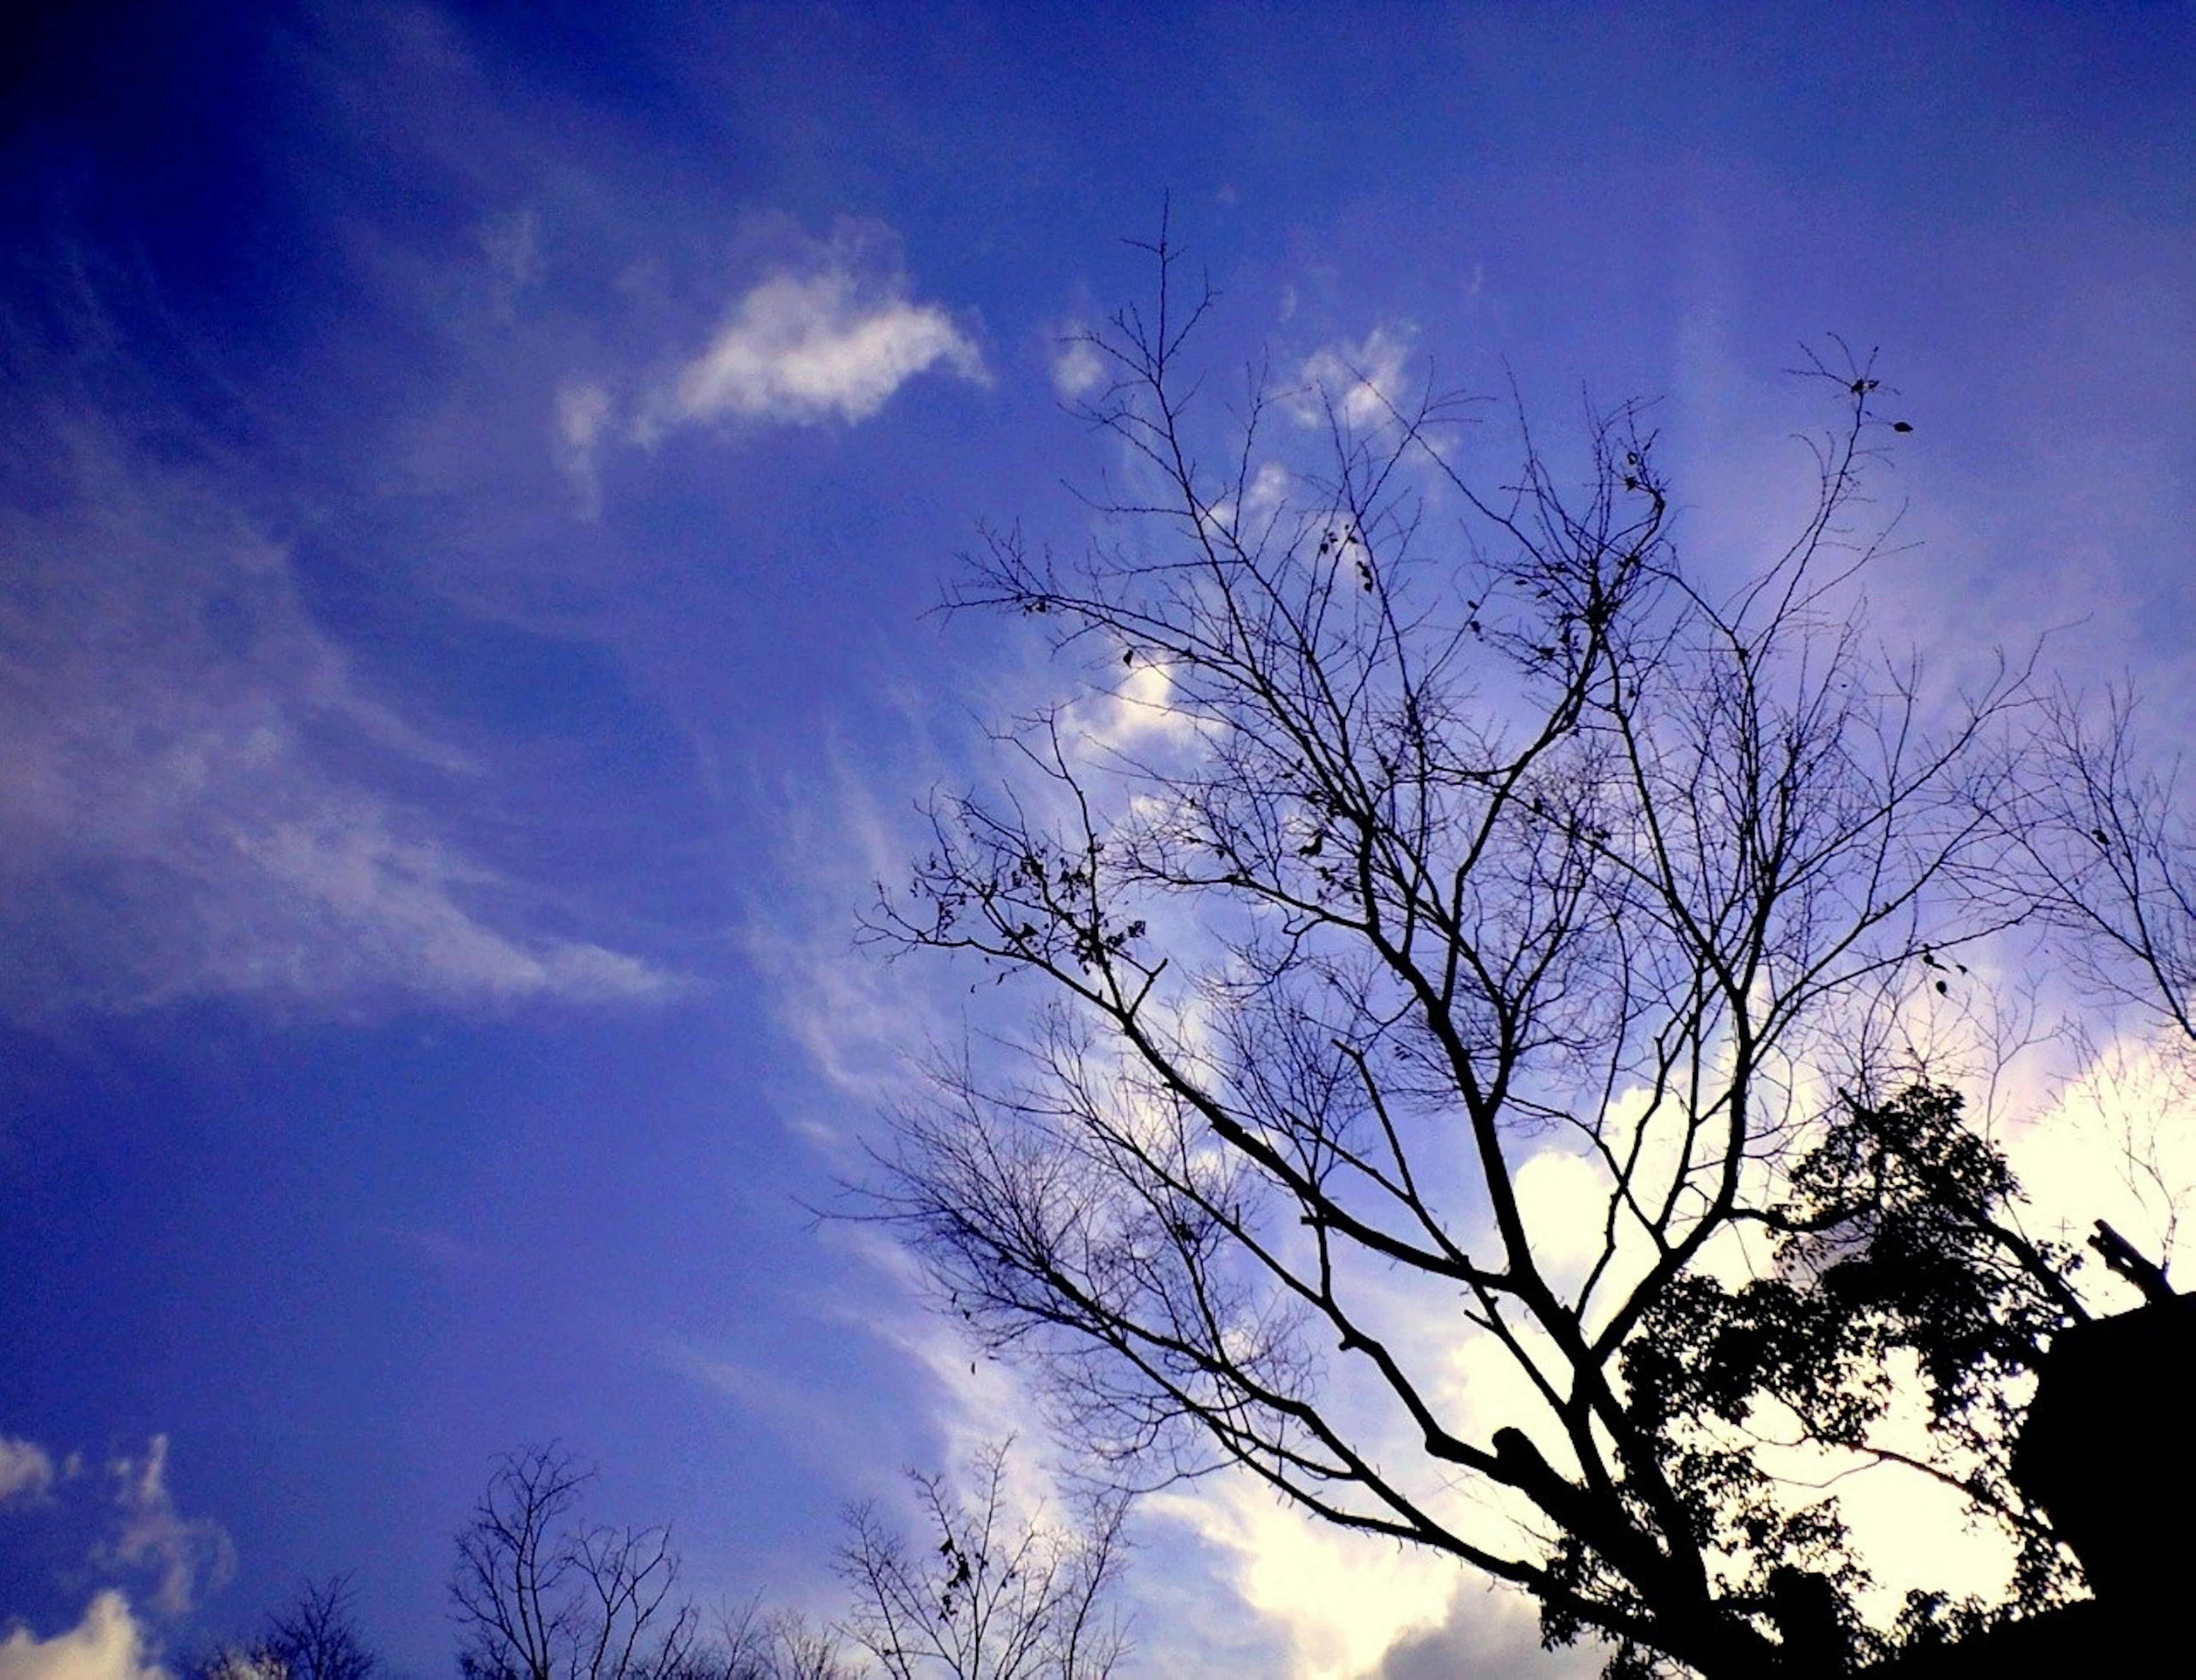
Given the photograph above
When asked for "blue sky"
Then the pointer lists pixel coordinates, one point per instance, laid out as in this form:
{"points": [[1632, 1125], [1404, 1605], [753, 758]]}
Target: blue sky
{"points": [[473, 485]]}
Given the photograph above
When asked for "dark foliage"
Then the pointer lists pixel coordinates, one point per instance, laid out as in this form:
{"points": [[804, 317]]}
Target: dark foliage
{"points": [[1896, 1256]]}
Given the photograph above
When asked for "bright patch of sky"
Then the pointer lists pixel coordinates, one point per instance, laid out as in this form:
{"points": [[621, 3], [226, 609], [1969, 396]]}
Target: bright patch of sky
{"points": [[473, 481]]}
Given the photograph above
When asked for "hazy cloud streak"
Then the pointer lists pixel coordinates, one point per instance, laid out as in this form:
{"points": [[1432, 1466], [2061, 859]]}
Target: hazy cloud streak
{"points": [[197, 795]]}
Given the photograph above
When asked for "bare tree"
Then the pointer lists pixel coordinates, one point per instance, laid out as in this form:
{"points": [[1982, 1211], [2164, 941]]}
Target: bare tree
{"points": [[993, 1599], [313, 1637], [540, 1596], [2110, 857], [801, 1650], [1434, 854], [2101, 847], [755, 1644]]}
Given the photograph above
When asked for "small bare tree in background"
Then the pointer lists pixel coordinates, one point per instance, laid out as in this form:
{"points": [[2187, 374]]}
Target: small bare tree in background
{"points": [[2114, 857], [2110, 859], [754, 1644], [992, 1598], [312, 1638], [539, 1595]]}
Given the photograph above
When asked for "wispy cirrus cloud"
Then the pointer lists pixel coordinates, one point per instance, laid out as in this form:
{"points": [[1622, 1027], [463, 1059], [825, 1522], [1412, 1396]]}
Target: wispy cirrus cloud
{"points": [[199, 797]]}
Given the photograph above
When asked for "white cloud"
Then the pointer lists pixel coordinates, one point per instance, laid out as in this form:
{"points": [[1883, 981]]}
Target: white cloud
{"points": [[107, 1644], [584, 411], [197, 794], [801, 347], [1339, 1600], [1564, 1200], [1077, 367], [1269, 493], [858, 1024], [399, 900], [119, 1527], [1139, 712], [1345, 1604], [1364, 383], [1490, 1633], [26, 1471], [183, 1552]]}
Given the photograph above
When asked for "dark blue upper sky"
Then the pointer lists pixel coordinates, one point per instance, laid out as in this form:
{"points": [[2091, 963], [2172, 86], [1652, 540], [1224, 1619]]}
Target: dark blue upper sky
{"points": [[473, 481]]}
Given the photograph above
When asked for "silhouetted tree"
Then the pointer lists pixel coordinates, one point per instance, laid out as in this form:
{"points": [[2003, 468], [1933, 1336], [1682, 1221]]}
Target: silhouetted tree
{"points": [[313, 1637], [539, 1594], [2112, 862], [758, 1644], [1896, 1243], [993, 1599], [1397, 862]]}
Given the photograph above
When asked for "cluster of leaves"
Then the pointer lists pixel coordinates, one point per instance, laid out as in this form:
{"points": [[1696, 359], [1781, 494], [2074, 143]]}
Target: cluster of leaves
{"points": [[1898, 1271], [1043, 897]]}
